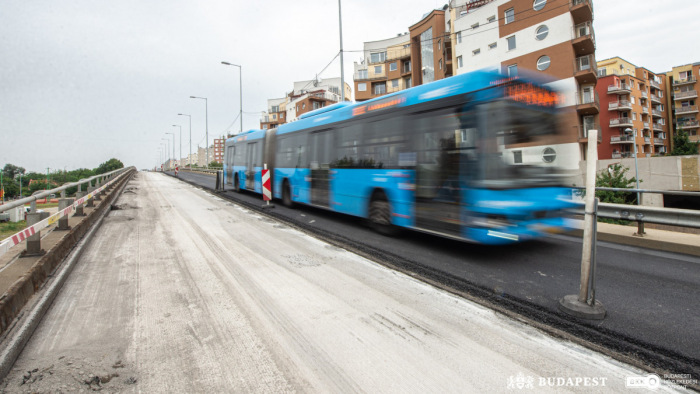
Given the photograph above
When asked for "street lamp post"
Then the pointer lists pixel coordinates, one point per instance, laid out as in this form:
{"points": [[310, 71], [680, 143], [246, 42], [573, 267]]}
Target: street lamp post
{"points": [[167, 141], [177, 125], [640, 224], [173, 134], [240, 82], [206, 122], [189, 158]]}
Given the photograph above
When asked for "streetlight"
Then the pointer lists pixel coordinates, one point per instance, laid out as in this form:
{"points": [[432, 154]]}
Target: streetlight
{"points": [[177, 125], [189, 158], [173, 134], [240, 82], [206, 120], [168, 149]]}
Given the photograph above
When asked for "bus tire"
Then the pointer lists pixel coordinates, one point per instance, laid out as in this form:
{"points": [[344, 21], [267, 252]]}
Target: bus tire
{"points": [[236, 184], [287, 195], [380, 216]]}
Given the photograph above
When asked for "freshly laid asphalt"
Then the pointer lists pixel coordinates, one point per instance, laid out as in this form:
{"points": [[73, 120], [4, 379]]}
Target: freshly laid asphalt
{"points": [[650, 293]]}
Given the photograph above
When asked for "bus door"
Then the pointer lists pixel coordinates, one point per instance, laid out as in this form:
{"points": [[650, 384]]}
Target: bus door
{"points": [[321, 143], [439, 185], [251, 160]]}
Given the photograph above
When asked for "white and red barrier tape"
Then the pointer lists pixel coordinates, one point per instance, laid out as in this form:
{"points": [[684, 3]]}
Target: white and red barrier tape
{"points": [[29, 231]]}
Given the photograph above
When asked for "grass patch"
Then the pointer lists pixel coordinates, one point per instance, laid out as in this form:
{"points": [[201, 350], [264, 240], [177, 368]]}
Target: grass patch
{"points": [[10, 228]]}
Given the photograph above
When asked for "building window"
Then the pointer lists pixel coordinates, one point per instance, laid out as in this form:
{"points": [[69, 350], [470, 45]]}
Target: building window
{"points": [[513, 70], [491, 19], [440, 64], [303, 105], [541, 32], [380, 88], [439, 44], [362, 74], [407, 82], [459, 37], [362, 87], [510, 15], [511, 42], [377, 69], [392, 66], [543, 63], [275, 108], [427, 56], [476, 51], [459, 61], [377, 57], [493, 45], [475, 26], [316, 105], [407, 66], [539, 4], [394, 83]]}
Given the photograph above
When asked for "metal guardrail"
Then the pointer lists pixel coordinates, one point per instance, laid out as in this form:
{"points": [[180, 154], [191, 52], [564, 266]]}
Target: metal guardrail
{"points": [[39, 196], [646, 214]]}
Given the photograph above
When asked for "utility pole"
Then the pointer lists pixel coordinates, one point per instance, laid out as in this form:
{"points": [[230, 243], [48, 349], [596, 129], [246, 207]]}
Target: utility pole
{"points": [[342, 69]]}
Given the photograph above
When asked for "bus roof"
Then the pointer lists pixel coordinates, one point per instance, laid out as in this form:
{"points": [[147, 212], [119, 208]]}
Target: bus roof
{"points": [[247, 136], [455, 85]]}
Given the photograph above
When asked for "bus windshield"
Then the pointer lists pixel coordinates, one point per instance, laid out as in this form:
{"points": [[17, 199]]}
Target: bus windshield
{"points": [[506, 123]]}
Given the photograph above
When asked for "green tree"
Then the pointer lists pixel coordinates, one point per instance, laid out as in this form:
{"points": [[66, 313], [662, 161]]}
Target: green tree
{"points": [[682, 145], [215, 164], [615, 177], [109, 165], [11, 170]]}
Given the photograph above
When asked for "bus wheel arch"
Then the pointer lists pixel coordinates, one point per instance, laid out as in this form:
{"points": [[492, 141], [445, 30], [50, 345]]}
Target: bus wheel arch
{"points": [[379, 213], [287, 194], [236, 184]]}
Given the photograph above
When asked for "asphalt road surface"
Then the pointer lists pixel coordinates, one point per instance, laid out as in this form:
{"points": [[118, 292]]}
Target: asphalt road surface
{"points": [[183, 291]]}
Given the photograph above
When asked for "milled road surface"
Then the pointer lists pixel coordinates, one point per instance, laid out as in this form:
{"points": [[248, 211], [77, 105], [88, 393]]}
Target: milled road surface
{"points": [[181, 291]]}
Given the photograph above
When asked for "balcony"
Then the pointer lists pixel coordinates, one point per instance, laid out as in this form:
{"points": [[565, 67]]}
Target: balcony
{"points": [[647, 140], [621, 122], [679, 82], [655, 113], [587, 104], [620, 105], [365, 77], [694, 138], [686, 110], [622, 139], [645, 110], [646, 125], [619, 89], [661, 150], [655, 99], [395, 54], [583, 39], [689, 124], [581, 10], [685, 95], [645, 95], [622, 155], [585, 69], [657, 126], [658, 141], [583, 132], [654, 84], [324, 96]]}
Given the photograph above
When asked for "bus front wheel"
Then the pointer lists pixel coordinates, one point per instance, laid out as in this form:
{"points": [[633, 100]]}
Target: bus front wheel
{"points": [[380, 217]]}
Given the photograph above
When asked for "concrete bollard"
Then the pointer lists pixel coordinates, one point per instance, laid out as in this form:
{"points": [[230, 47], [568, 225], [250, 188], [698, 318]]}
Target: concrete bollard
{"points": [[63, 222], [79, 209], [90, 202], [33, 241]]}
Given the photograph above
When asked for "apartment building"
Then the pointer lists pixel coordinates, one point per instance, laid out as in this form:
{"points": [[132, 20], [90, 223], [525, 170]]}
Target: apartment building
{"points": [[218, 151], [306, 96], [683, 102], [550, 40], [431, 50], [385, 68], [634, 114], [275, 114]]}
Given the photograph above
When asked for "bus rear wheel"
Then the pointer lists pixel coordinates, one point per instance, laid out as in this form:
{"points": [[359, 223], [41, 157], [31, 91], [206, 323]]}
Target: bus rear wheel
{"points": [[287, 195], [380, 217]]}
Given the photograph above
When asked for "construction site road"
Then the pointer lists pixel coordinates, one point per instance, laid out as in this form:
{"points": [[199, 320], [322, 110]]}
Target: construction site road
{"points": [[182, 291]]}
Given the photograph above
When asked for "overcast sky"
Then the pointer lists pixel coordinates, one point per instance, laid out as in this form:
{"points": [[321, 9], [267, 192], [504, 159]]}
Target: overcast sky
{"points": [[84, 81]]}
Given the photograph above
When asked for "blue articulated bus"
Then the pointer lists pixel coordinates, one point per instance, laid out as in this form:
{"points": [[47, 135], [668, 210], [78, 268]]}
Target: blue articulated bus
{"points": [[427, 158]]}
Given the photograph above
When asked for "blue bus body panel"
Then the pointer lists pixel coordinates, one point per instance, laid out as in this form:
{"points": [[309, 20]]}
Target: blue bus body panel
{"points": [[351, 190], [299, 181]]}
